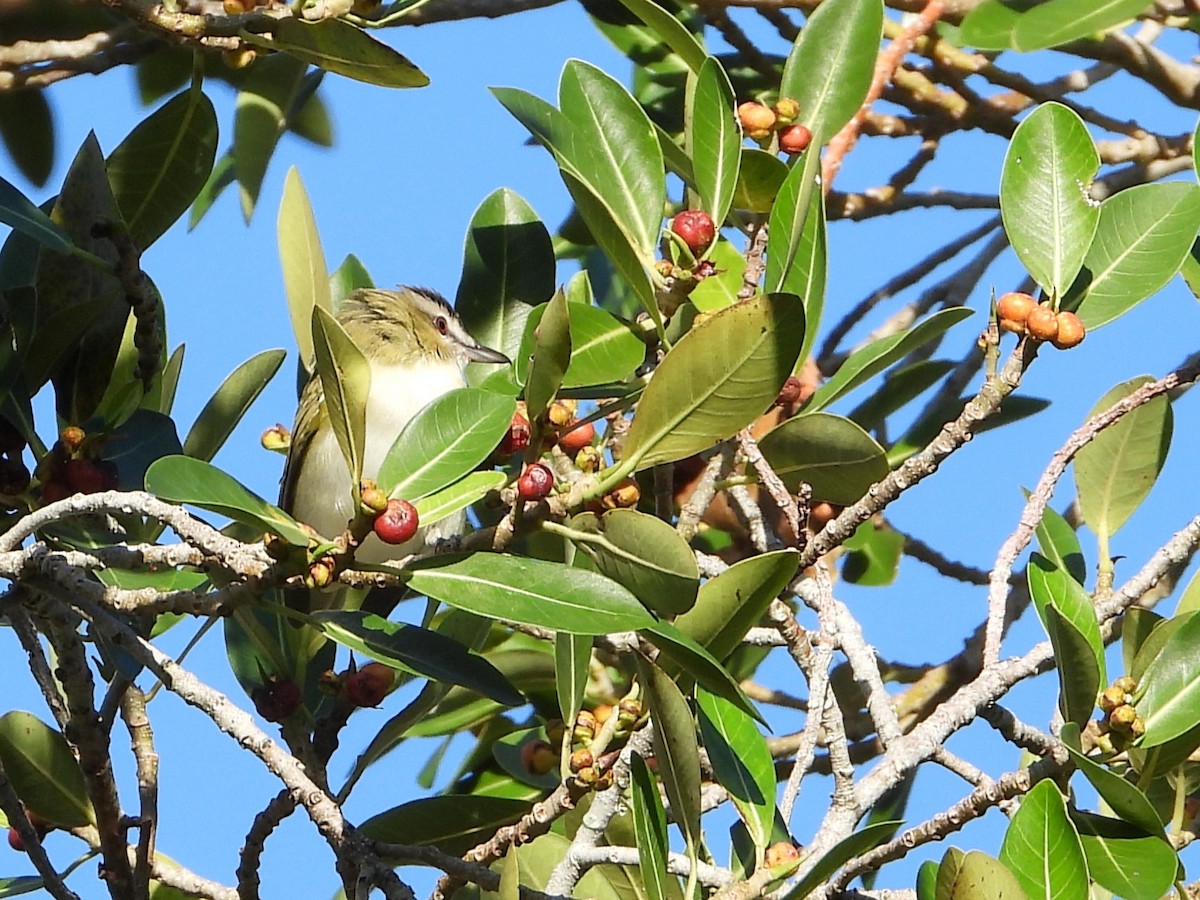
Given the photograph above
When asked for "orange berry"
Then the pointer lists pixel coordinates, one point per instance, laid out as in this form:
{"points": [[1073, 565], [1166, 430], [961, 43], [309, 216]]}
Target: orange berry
{"points": [[821, 513], [1012, 309], [1042, 324], [1070, 331], [538, 757], [757, 121], [576, 438], [780, 854]]}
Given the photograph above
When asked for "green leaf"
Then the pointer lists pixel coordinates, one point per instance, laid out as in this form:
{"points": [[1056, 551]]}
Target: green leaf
{"points": [[681, 653], [675, 749], [508, 269], [1060, 544], [347, 278], [181, 479], [550, 357], [873, 557], [831, 453], [1124, 860], [1142, 239], [19, 212], [650, 826], [796, 244], [716, 380], [1116, 470], [760, 177], [267, 98], [876, 356], [1042, 849], [453, 824], [1003, 25], [927, 880], [741, 763], [721, 289], [714, 139], [1170, 703], [419, 651], [831, 64], [603, 348], [735, 601], [138, 442], [1122, 797], [43, 770], [840, 853], [452, 498], [229, 404], [337, 46], [643, 553], [447, 439], [159, 169], [305, 277], [530, 592], [976, 876], [671, 31], [27, 128], [1049, 218], [572, 654], [1136, 628], [345, 383]]}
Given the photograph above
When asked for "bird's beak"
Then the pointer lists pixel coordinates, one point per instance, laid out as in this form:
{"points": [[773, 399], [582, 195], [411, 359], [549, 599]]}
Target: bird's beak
{"points": [[482, 354]]}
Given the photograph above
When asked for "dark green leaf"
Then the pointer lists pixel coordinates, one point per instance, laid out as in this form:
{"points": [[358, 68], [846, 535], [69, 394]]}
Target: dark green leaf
{"points": [[572, 655], [1042, 849], [873, 557], [1170, 702], [650, 825], [345, 384], [1060, 545], [1003, 25], [43, 770], [1135, 629], [1124, 860], [670, 30], [550, 357], [453, 824], [741, 763], [20, 213], [531, 592], [347, 278], [267, 97], [139, 441], [797, 247], [27, 128], [1122, 797], [840, 853], [305, 277], [337, 46], [675, 749], [760, 176], [833, 455], [233, 398], [714, 139], [1069, 617], [682, 654]]}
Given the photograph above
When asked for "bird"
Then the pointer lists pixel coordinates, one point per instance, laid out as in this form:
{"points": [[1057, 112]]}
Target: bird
{"points": [[416, 348]]}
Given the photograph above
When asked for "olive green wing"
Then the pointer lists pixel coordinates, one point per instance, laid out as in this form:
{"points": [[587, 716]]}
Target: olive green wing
{"points": [[309, 414]]}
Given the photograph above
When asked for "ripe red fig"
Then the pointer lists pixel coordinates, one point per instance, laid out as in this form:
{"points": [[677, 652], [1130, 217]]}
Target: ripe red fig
{"points": [[397, 523]]}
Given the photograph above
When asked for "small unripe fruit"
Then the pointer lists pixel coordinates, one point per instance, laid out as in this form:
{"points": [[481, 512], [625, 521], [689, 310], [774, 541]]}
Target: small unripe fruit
{"points": [[1126, 684], [555, 731], [589, 459], [795, 139], [790, 392], [397, 523], [1070, 331], [276, 700], [1042, 324], [276, 439], [535, 482], [602, 711], [696, 228], [237, 7], [1111, 698], [822, 513], [786, 110], [628, 712], [780, 854], [72, 438], [517, 438], [1122, 718], [575, 439], [372, 500], [624, 496], [538, 757], [757, 121], [587, 776], [561, 412], [581, 759], [369, 685], [1013, 309], [320, 574]]}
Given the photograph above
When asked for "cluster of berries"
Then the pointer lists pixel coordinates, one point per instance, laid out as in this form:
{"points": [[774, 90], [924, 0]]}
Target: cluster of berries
{"points": [[277, 698], [763, 123], [1022, 315], [71, 468], [1121, 723]]}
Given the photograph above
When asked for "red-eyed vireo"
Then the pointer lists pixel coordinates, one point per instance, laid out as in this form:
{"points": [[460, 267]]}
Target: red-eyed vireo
{"points": [[417, 348]]}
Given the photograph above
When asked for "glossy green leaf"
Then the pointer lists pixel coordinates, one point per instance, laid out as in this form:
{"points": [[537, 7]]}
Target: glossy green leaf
{"points": [[717, 379], [832, 454], [675, 748], [721, 289], [643, 553], [268, 96], [1152, 643], [229, 404], [457, 496], [531, 592], [181, 479], [508, 269], [1124, 860], [760, 176], [650, 826], [337, 46], [159, 169], [682, 654], [221, 177], [454, 824], [670, 30], [1122, 797], [538, 859], [417, 650], [603, 348], [735, 601], [1059, 544], [797, 247], [1042, 849], [1069, 617], [345, 384], [1116, 470], [1143, 237], [20, 884], [305, 277], [832, 62], [27, 129], [976, 876], [843, 851], [448, 438], [876, 356], [1003, 25], [1170, 702], [550, 356], [42, 769], [714, 139], [1136, 628], [741, 763], [1049, 218], [19, 212], [899, 388], [873, 555], [572, 654], [927, 880], [347, 278]]}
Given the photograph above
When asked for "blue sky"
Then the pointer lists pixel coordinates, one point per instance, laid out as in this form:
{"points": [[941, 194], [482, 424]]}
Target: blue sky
{"points": [[398, 189]]}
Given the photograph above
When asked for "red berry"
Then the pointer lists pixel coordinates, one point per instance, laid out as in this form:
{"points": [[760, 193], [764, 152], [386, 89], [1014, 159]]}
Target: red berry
{"points": [[276, 700], [14, 841], [576, 438], [90, 476], [795, 139], [369, 685], [397, 523], [517, 438], [696, 228], [790, 392], [55, 490], [535, 482]]}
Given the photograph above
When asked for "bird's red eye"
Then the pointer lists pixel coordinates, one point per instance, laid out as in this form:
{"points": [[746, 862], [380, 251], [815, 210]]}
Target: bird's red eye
{"points": [[441, 325]]}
